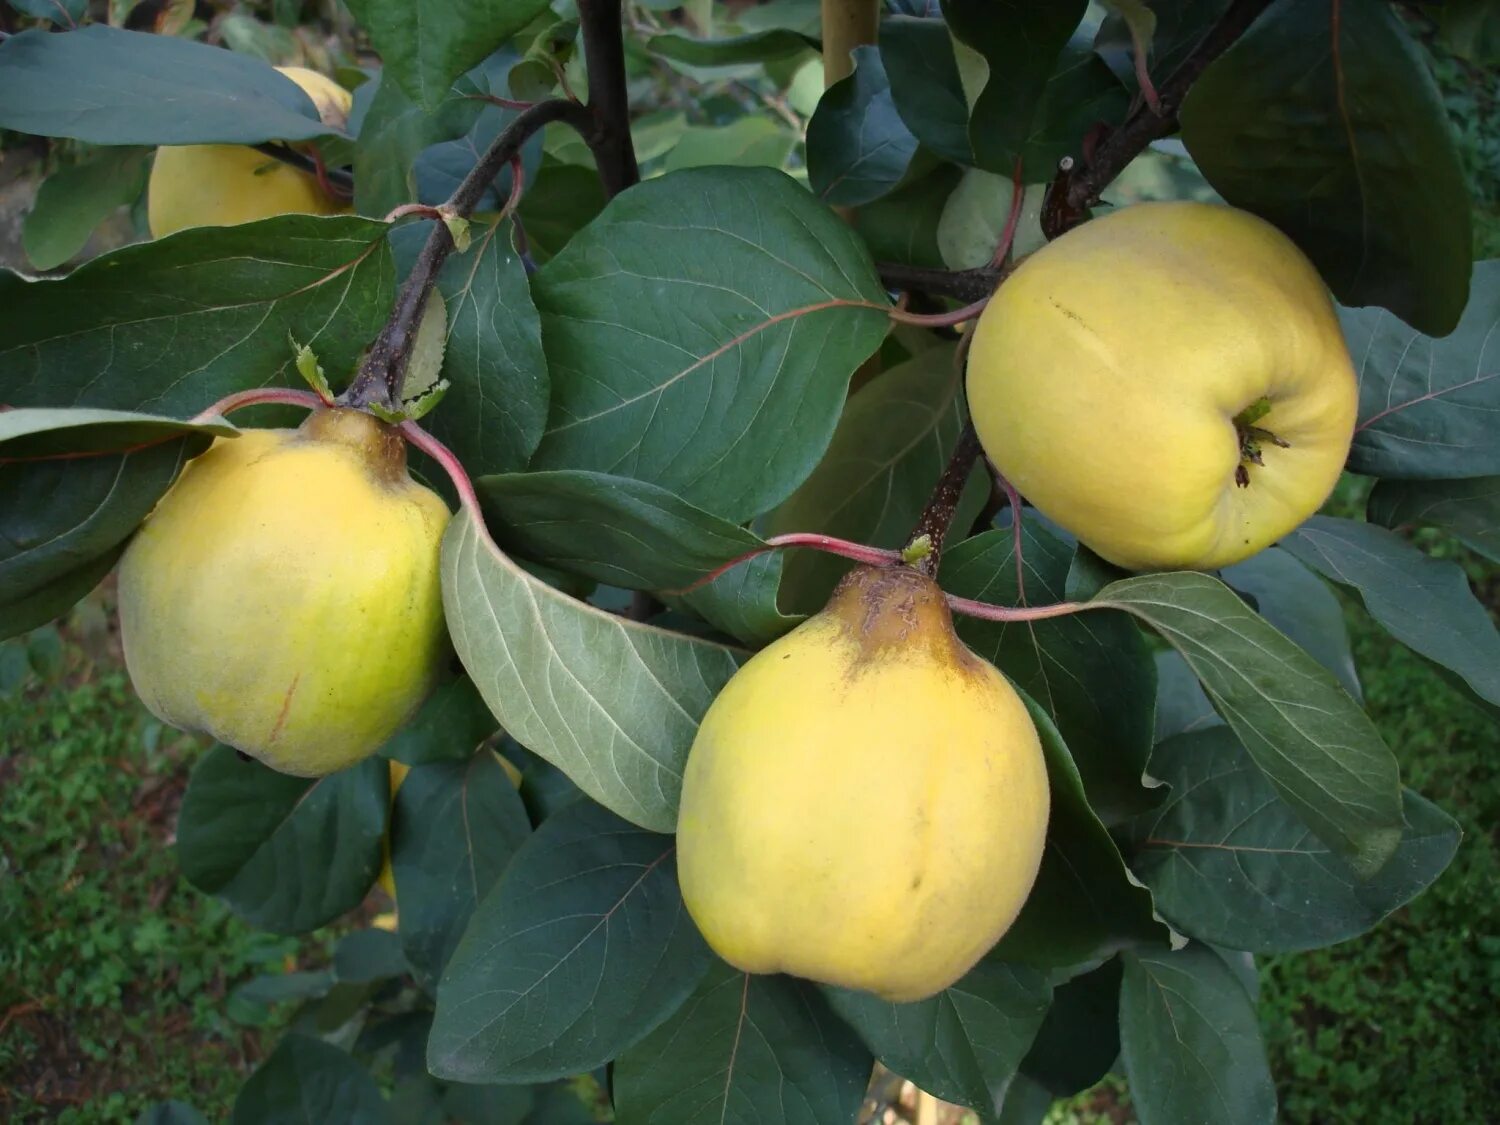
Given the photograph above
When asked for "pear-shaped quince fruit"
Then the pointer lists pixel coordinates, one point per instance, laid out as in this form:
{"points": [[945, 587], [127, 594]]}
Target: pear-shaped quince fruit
{"points": [[284, 595], [1168, 382], [221, 185], [866, 801]]}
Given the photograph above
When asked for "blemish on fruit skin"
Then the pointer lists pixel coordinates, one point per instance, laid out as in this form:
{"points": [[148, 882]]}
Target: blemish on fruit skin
{"points": [[286, 706]]}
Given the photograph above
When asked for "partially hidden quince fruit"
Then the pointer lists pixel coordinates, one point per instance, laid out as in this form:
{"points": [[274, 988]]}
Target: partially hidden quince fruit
{"points": [[866, 801], [284, 596], [1168, 382], [222, 185]]}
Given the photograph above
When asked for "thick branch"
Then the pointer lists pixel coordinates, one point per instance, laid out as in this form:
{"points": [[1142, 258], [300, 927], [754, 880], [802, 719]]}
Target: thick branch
{"points": [[608, 134], [337, 177], [384, 367], [1076, 189], [944, 500]]}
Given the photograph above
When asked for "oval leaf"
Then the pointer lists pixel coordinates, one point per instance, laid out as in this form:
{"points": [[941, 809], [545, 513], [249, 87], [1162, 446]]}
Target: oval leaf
{"points": [[612, 703], [1470, 509], [582, 948], [288, 854], [306, 1080], [858, 148], [701, 333]]}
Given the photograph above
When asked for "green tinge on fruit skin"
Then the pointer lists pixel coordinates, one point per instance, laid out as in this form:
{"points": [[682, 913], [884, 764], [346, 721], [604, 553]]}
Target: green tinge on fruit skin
{"points": [[284, 596]]}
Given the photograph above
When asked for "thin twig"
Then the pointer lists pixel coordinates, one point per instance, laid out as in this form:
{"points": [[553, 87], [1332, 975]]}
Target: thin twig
{"points": [[938, 514], [384, 367], [963, 285], [337, 178], [1077, 188]]}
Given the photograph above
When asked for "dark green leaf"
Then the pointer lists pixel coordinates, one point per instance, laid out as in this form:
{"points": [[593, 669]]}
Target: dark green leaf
{"points": [[755, 47], [753, 141], [1080, 1039], [307, 1080], [289, 854], [57, 516], [394, 131], [108, 86], [544, 788], [1093, 675], [1470, 509], [489, 1105], [613, 703], [278, 988], [27, 611], [581, 949], [1022, 43], [1427, 406], [1324, 119], [1180, 26], [701, 334], [1084, 904], [1471, 30], [963, 1045], [426, 44], [1301, 605], [443, 166], [369, 955], [47, 432], [64, 13], [635, 535], [925, 84], [1310, 738], [903, 226], [175, 324], [889, 450], [1229, 861], [1190, 1042], [1026, 1103], [744, 1050], [1181, 703], [858, 148], [74, 200], [1425, 603], [563, 200], [453, 721], [454, 828]]}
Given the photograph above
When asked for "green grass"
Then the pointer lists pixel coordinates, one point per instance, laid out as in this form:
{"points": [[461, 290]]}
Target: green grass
{"points": [[113, 971]]}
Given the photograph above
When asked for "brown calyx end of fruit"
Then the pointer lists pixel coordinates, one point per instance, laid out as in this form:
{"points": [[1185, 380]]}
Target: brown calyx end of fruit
{"points": [[1253, 439], [380, 446], [895, 609]]}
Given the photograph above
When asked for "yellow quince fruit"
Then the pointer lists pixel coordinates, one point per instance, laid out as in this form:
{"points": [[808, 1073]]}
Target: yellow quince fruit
{"points": [[866, 801], [221, 185], [284, 595], [1169, 383]]}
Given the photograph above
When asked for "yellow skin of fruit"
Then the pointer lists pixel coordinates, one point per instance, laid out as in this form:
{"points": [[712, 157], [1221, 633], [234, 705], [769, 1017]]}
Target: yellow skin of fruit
{"points": [[399, 770], [1106, 375], [284, 596], [222, 185], [866, 801]]}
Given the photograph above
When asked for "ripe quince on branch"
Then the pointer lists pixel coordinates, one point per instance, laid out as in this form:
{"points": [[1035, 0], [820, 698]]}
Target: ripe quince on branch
{"points": [[1168, 382], [284, 596], [866, 801], [221, 185]]}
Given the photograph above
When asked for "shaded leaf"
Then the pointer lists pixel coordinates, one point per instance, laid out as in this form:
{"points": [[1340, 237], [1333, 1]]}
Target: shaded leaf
{"points": [[749, 142], [744, 1050], [963, 1045], [288, 854], [903, 226], [74, 200], [701, 333], [1079, 1039], [1427, 406], [581, 949], [563, 200], [754, 47], [1093, 674], [1229, 861], [21, 613], [108, 86], [1425, 603], [926, 87], [1470, 509], [173, 325], [454, 827], [612, 703], [170, 1113], [635, 535], [426, 44], [306, 1080], [1324, 119], [42, 432], [368, 955], [858, 148], [1312, 741], [1181, 703], [1190, 1041], [451, 723]]}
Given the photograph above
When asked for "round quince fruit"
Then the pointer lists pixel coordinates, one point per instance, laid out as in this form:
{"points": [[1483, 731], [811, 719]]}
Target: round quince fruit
{"points": [[222, 185], [866, 801], [284, 595], [1168, 382]]}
